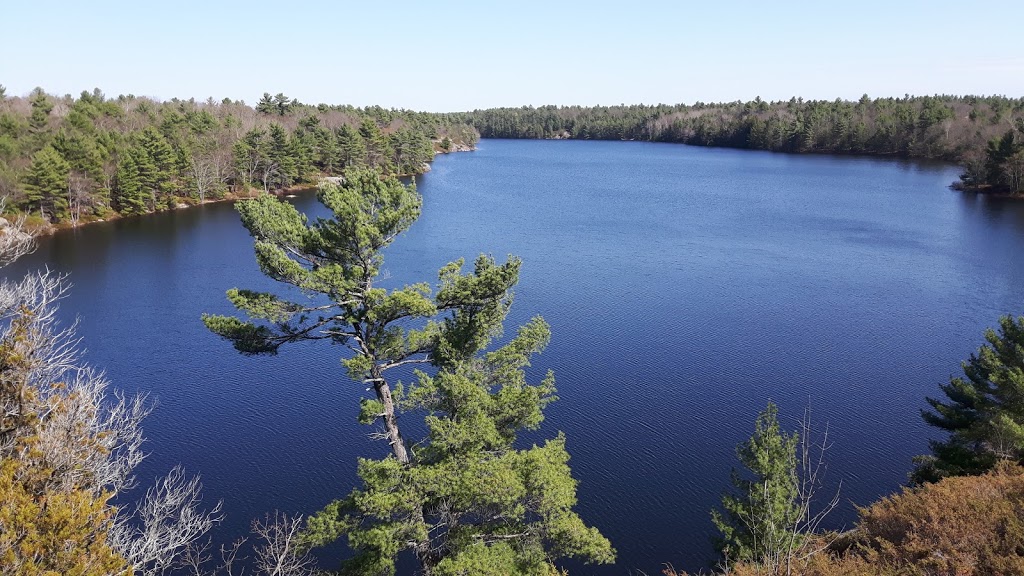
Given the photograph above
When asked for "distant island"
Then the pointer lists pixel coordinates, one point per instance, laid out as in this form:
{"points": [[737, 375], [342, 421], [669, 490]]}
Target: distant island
{"points": [[66, 160]]}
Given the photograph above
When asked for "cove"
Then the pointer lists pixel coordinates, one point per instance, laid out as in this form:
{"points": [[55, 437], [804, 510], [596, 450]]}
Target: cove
{"points": [[684, 286]]}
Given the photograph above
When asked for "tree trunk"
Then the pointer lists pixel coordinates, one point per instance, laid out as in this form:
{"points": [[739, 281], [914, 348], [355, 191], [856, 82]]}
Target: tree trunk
{"points": [[394, 435], [422, 548]]}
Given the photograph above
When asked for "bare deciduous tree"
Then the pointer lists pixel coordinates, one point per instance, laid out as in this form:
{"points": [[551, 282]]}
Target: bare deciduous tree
{"points": [[85, 442], [79, 196], [279, 553], [164, 525]]}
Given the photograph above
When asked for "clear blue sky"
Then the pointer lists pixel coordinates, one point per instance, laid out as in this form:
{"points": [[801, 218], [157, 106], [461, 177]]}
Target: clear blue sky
{"points": [[446, 56]]}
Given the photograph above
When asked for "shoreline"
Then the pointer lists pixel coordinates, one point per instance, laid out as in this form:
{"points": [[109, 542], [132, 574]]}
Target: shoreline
{"points": [[51, 229]]}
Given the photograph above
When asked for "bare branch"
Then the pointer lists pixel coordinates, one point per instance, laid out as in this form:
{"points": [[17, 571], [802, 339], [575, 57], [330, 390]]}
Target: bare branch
{"points": [[277, 554]]}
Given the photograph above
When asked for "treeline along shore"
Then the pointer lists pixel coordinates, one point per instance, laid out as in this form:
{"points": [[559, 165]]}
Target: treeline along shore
{"points": [[985, 134], [67, 160]]}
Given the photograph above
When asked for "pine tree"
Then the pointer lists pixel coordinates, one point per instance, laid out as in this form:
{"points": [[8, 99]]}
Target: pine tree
{"points": [[157, 163], [762, 519], [266, 104], [129, 196], [410, 150], [328, 152], [282, 104], [983, 411], [82, 153], [302, 150], [465, 501], [281, 156], [351, 149], [378, 150], [46, 185], [41, 107]]}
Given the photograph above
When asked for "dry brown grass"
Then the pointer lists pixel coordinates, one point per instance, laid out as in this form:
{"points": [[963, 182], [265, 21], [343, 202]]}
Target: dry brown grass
{"points": [[964, 526]]}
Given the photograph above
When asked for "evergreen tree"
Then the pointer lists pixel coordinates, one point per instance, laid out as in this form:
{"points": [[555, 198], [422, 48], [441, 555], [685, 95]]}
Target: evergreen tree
{"points": [[983, 411], [466, 499], [378, 150], [281, 160], [157, 164], [410, 150], [762, 519], [180, 148], [351, 149], [46, 185], [266, 104], [302, 147], [282, 104], [129, 196], [328, 153], [251, 156], [476, 504], [41, 107]]}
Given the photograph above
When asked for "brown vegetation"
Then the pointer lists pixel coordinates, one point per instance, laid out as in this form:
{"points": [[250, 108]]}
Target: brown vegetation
{"points": [[961, 526]]}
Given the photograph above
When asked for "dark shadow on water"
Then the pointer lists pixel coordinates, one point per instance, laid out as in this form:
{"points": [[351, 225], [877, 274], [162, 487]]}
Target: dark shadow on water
{"points": [[997, 210]]}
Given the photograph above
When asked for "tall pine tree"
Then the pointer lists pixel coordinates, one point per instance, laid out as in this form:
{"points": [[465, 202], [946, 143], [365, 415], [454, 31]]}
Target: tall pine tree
{"points": [[129, 196], [351, 149], [46, 185], [983, 411], [465, 500]]}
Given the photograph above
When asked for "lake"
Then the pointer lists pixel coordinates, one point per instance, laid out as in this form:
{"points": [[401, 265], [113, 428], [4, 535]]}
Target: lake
{"points": [[685, 287]]}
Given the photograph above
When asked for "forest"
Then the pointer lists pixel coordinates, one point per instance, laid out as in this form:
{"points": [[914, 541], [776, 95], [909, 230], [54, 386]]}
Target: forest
{"points": [[66, 159], [985, 134]]}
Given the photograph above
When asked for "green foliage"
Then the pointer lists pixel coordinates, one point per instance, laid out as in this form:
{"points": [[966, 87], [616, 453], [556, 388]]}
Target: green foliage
{"points": [[1002, 166], [763, 519], [983, 411], [378, 149], [473, 501], [156, 163], [129, 197], [82, 152], [135, 155], [351, 149], [928, 127], [40, 117], [282, 169], [466, 500], [250, 155], [46, 184], [410, 150]]}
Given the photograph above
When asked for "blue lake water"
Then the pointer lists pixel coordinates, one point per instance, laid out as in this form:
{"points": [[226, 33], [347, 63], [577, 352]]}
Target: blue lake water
{"points": [[685, 287]]}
